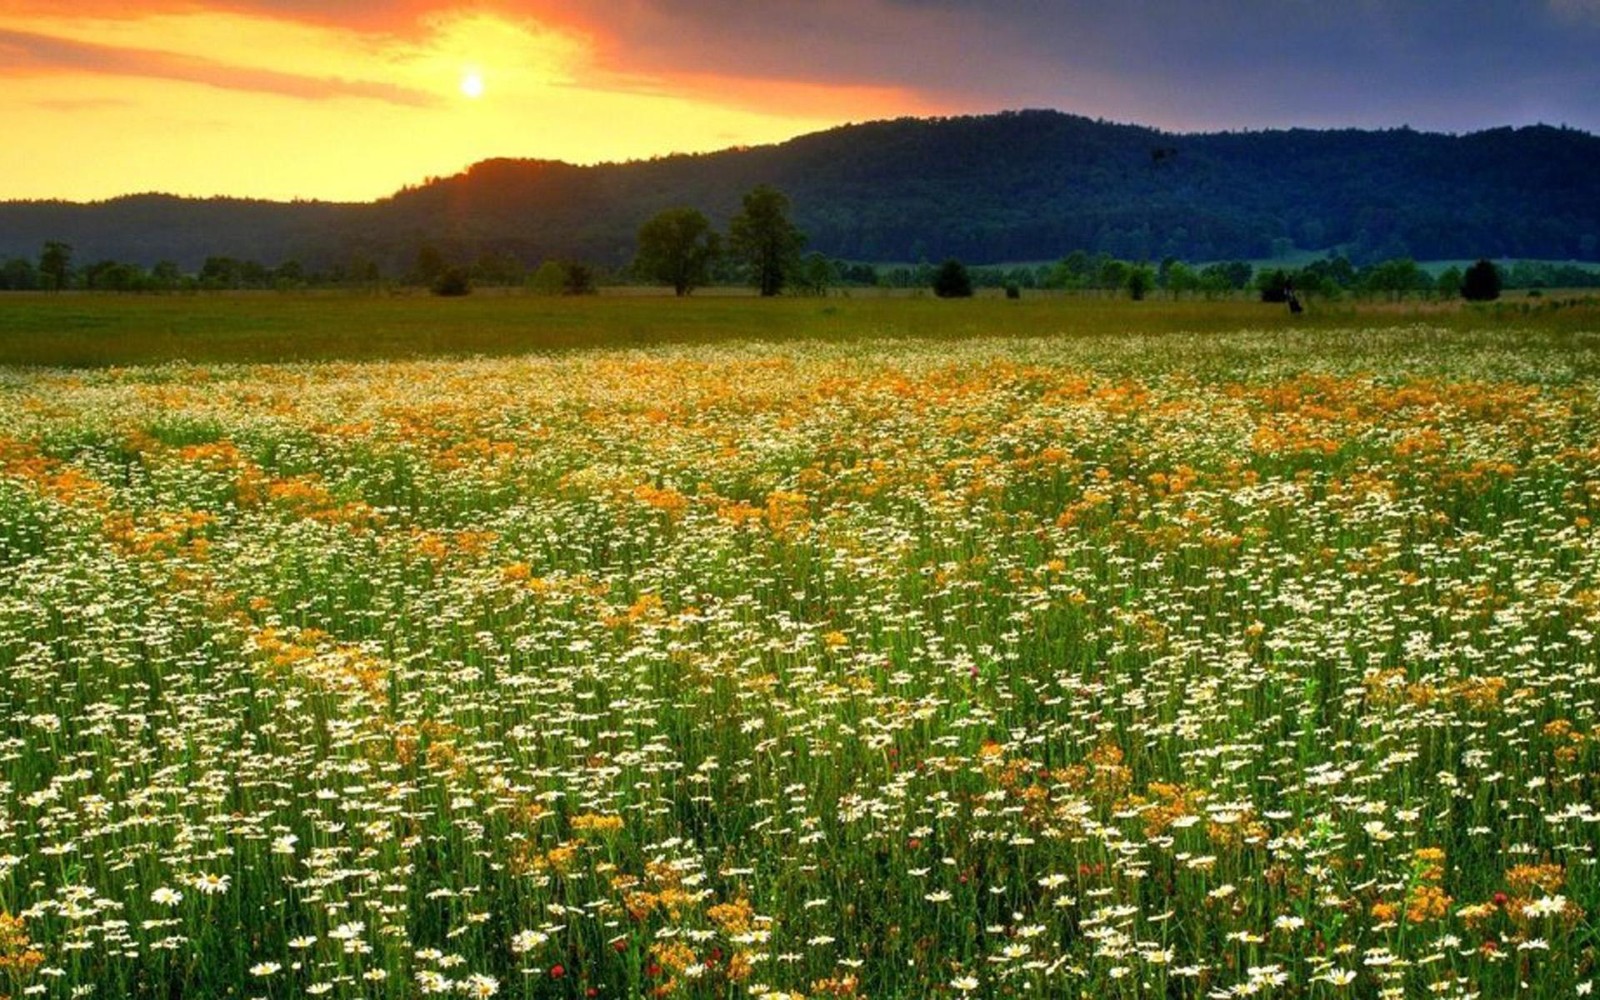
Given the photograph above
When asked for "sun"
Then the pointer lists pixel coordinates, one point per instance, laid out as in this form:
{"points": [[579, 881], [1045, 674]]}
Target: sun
{"points": [[472, 84]]}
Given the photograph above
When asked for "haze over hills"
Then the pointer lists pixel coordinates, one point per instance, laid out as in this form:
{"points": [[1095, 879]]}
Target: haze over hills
{"points": [[1017, 186]]}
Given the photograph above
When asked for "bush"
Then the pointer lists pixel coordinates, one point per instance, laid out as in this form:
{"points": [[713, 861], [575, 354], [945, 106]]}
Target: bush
{"points": [[1139, 282], [952, 281], [577, 279], [1481, 283], [453, 281], [549, 279], [1274, 285], [562, 277]]}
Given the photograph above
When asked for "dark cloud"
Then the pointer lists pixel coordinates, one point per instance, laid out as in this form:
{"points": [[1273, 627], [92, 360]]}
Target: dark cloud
{"points": [[1453, 64], [29, 53], [1447, 64]]}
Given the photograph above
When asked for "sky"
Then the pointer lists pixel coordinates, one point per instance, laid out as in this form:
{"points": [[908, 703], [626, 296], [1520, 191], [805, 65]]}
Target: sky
{"points": [[352, 100]]}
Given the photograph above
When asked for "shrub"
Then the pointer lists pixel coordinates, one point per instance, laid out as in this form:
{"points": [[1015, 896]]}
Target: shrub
{"points": [[1481, 283], [577, 279], [454, 281], [952, 281], [549, 279], [1274, 285], [1139, 282]]}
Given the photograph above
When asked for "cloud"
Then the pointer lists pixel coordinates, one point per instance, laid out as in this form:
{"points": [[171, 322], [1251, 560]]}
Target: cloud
{"points": [[68, 105], [1453, 64], [27, 53]]}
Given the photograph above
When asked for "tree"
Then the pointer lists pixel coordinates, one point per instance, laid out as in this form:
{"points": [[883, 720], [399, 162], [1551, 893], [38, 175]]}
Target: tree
{"points": [[952, 281], [1448, 284], [289, 274], [221, 272], [453, 282], [1182, 280], [549, 279], [1220, 279], [19, 275], [865, 275], [430, 265], [497, 268], [254, 274], [1238, 272], [1331, 274], [1394, 277], [114, 276], [55, 265], [165, 276], [1112, 274], [1274, 285], [577, 278], [1481, 282], [677, 247], [1139, 282], [765, 240], [815, 274], [359, 270], [1071, 272]]}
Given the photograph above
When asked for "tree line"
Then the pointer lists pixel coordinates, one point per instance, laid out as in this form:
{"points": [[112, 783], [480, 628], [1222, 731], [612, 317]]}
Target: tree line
{"points": [[678, 248]]}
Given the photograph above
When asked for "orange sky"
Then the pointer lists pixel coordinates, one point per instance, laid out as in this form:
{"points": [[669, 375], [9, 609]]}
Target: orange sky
{"points": [[284, 100], [353, 99]]}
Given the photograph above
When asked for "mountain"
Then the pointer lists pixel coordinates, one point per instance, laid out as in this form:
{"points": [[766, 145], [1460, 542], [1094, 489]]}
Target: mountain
{"points": [[1017, 186]]}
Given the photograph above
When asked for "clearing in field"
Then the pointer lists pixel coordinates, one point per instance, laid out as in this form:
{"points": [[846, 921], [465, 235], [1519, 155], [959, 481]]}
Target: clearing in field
{"points": [[1126, 665]]}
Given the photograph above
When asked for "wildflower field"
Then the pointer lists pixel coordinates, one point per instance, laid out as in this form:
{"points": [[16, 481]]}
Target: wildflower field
{"points": [[1253, 663]]}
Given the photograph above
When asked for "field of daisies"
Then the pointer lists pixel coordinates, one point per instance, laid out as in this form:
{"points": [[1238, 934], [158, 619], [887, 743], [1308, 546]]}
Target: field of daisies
{"points": [[1258, 664]]}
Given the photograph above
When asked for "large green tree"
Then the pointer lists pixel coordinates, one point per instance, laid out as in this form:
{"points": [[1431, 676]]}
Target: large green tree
{"points": [[763, 237], [677, 247]]}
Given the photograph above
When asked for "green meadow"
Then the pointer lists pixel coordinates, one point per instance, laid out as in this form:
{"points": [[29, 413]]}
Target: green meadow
{"points": [[77, 330], [870, 647]]}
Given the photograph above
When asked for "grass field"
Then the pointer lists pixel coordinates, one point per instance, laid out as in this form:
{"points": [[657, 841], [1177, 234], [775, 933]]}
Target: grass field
{"points": [[102, 330], [873, 648]]}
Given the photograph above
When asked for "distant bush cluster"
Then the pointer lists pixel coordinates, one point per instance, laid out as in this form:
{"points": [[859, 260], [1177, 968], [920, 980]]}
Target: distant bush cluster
{"points": [[679, 249], [55, 270]]}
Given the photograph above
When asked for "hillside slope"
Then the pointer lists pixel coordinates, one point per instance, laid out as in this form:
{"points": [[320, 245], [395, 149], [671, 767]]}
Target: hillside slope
{"points": [[1029, 185]]}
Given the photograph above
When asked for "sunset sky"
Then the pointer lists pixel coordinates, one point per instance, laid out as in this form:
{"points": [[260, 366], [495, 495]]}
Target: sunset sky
{"points": [[352, 100]]}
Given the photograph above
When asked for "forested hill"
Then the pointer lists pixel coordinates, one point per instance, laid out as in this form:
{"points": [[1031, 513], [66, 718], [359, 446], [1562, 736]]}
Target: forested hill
{"points": [[1018, 186]]}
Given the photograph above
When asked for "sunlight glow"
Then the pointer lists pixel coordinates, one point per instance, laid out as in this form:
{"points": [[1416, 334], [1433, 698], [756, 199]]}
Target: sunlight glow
{"points": [[204, 102]]}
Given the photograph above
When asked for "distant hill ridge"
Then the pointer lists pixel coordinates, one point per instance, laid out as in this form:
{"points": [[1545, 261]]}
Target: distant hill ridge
{"points": [[1015, 186]]}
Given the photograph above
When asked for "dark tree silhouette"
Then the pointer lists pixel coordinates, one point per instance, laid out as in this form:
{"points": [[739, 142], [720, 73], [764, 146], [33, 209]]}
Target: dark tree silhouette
{"points": [[454, 281], [765, 240], [952, 280], [1481, 283], [429, 266], [55, 265]]}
